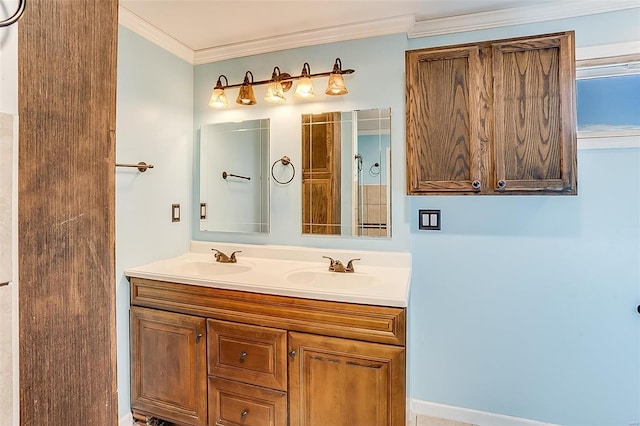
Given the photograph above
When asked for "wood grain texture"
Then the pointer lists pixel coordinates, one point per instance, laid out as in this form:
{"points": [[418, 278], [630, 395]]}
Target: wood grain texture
{"points": [[362, 383], [67, 90], [168, 366], [499, 113], [321, 173], [535, 114], [363, 322], [447, 101], [236, 404], [247, 353]]}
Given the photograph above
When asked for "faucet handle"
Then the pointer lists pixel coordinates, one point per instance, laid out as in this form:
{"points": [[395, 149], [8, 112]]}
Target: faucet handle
{"points": [[233, 256], [349, 267], [220, 256], [332, 262]]}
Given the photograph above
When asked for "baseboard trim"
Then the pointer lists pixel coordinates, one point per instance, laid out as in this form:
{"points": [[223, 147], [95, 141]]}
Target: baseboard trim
{"points": [[467, 415], [126, 420]]}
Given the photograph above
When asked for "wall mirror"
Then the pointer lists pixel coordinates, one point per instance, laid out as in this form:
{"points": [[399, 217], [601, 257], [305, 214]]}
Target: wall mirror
{"points": [[346, 172], [234, 184]]}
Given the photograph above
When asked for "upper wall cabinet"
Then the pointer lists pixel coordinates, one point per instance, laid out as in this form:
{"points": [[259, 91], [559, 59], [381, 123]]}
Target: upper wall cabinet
{"points": [[492, 117]]}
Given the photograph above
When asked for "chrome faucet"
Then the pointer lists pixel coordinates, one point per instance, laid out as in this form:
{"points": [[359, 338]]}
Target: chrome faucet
{"points": [[337, 266], [223, 258]]}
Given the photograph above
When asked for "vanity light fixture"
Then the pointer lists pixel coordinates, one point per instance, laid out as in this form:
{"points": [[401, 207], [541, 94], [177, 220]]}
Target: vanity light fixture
{"points": [[305, 86], [275, 91], [336, 86], [245, 95], [218, 98], [279, 83]]}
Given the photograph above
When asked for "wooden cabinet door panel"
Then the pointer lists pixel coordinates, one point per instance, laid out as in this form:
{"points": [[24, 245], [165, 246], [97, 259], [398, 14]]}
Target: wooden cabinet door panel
{"points": [[362, 383], [168, 366], [535, 107], [447, 119]]}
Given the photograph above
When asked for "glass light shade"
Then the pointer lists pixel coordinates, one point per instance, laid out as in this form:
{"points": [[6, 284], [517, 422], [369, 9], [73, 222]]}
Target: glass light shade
{"points": [[305, 88], [218, 99], [245, 95], [275, 92], [336, 85]]}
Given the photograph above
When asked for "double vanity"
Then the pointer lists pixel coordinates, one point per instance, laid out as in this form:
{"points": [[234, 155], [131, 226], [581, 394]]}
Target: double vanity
{"points": [[275, 338]]}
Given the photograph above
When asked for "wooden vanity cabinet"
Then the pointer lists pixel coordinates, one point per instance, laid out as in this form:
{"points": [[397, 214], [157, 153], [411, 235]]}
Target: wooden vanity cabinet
{"points": [[495, 117], [268, 360]]}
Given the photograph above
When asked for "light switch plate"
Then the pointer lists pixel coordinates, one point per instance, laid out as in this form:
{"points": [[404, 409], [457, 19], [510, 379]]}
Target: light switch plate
{"points": [[175, 212], [429, 220]]}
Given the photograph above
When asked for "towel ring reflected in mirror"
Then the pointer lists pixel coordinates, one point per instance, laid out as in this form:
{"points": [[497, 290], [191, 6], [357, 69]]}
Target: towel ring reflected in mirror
{"points": [[286, 161]]}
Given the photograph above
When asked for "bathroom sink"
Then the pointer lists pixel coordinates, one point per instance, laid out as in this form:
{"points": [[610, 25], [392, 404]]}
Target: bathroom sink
{"points": [[327, 279], [211, 268]]}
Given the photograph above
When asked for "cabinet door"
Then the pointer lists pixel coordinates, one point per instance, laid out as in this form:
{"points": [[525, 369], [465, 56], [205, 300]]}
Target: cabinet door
{"points": [[168, 366], [448, 119], [342, 382], [534, 98], [321, 156]]}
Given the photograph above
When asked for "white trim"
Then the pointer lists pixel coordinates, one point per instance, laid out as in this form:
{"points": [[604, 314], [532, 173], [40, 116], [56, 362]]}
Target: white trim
{"points": [[607, 50], [126, 420], [467, 415], [307, 38], [606, 141], [144, 29], [514, 16]]}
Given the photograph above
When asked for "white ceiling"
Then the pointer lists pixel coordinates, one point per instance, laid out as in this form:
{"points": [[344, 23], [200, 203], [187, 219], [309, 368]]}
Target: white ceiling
{"points": [[219, 29]]}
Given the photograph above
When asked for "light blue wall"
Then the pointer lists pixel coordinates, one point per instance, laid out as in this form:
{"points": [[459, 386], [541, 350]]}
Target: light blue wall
{"points": [[523, 306], [154, 124]]}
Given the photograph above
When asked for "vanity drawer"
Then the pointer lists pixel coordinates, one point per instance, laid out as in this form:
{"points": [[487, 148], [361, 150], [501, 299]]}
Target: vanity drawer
{"points": [[234, 404], [247, 353]]}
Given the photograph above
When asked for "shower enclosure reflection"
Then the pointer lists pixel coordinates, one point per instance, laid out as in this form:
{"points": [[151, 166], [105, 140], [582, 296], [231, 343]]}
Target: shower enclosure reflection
{"points": [[346, 173], [234, 184]]}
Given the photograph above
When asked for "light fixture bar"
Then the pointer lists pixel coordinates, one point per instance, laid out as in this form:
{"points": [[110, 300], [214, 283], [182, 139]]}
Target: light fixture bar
{"points": [[289, 78]]}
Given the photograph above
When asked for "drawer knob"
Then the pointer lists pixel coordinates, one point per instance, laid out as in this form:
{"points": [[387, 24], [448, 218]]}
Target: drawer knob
{"points": [[244, 413], [243, 355]]}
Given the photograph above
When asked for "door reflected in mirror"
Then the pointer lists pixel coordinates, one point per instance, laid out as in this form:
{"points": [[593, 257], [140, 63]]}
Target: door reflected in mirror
{"points": [[346, 171], [234, 184]]}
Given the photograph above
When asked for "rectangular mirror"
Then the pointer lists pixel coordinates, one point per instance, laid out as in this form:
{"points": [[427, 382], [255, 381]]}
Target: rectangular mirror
{"points": [[234, 184], [346, 171]]}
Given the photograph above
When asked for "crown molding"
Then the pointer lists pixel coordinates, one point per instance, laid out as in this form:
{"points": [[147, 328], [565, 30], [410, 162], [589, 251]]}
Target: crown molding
{"points": [[515, 16], [303, 39], [403, 24], [144, 29]]}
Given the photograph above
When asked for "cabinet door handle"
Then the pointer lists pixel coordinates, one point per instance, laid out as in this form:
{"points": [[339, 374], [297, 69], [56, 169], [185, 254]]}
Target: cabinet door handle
{"points": [[502, 184], [243, 355], [292, 353], [476, 185], [198, 337], [244, 413]]}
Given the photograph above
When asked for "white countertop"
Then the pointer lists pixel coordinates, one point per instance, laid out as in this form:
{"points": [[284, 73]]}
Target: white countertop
{"points": [[380, 278]]}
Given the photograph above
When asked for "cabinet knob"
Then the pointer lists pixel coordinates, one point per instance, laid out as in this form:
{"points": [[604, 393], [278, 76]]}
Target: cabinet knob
{"points": [[244, 413], [243, 355], [502, 184], [476, 185], [639, 309], [292, 353], [198, 337]]}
